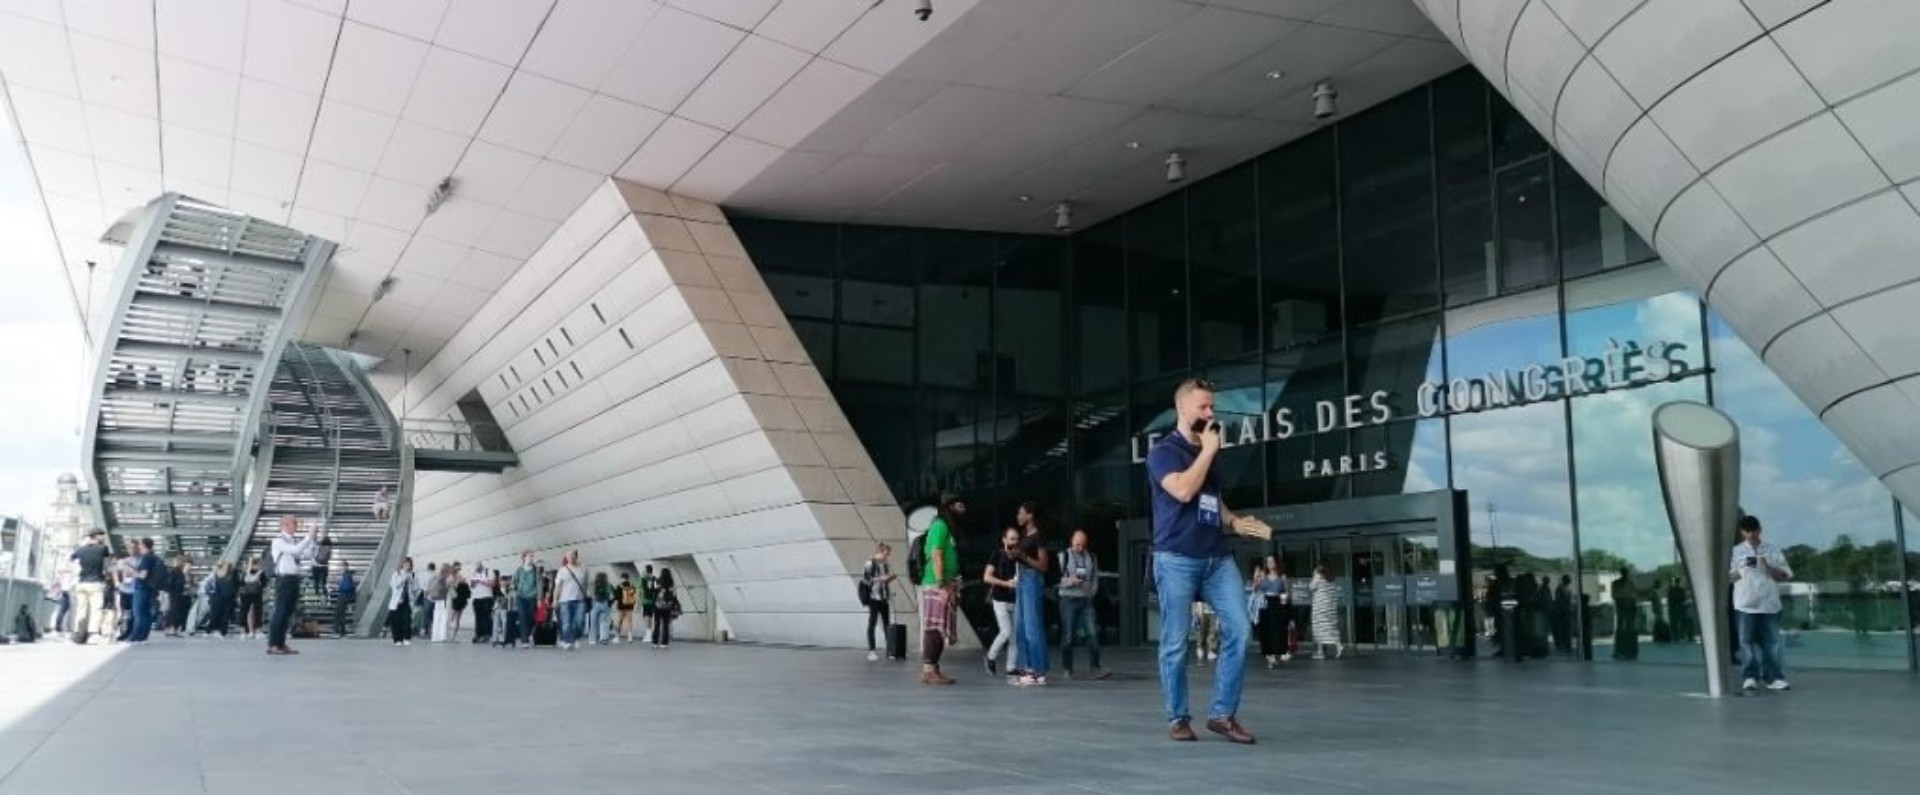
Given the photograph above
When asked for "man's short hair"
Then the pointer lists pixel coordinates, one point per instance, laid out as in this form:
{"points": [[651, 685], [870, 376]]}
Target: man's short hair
{"points": [[1190, 385], [96, 533], [1749, 524]]}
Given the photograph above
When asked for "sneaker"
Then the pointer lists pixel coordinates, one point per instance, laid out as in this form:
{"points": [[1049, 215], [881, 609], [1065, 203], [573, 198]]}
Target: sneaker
{"points": [[993, 667], [1028, 681], [1039, 681], [1750, 684], [1778, 684], [406, 643], [1213, 655], [1271, 663], [1286, 658], [873, 656], [1101, 673], [1014, 681]]}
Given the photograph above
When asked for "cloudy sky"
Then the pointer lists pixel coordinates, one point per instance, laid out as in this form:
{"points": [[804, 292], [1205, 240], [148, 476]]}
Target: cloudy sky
{"points": [[41, 404]]}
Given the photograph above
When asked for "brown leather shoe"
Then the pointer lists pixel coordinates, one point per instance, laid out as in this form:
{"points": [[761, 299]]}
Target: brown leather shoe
{"points": [[935, 678], [1231, 729], [1182, 732]]}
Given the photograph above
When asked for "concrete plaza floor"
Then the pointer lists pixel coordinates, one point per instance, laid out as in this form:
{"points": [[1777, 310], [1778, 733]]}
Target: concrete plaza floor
{"points": [[193, 716]]}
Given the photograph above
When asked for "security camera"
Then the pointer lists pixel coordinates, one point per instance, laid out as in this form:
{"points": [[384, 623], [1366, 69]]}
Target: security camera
{"points": [[1176, 167], [923, 9], [1063, 217], [1325, 100]]}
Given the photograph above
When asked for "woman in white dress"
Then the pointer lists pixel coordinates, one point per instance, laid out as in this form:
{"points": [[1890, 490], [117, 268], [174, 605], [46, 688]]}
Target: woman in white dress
{"points": [[1326, 614]]}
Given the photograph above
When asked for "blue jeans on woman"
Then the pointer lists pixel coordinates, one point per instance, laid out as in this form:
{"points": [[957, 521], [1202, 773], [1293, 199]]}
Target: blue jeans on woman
{"points": [[601, 619], [1030, 598], [572, 618], [1181, 579]]}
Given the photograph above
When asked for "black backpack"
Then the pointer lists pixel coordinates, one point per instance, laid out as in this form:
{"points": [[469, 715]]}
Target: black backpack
{"points": [[917, 558], [24, 630], [866, 585], [253, 583]]}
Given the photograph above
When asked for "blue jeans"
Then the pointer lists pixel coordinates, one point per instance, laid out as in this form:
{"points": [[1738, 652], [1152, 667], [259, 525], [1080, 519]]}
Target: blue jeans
{"points": [[142, 613], [525, 615], [1077, 624], [572, 616], [1030, 599], [1181, 580], [1761, 647], [602, 621]]}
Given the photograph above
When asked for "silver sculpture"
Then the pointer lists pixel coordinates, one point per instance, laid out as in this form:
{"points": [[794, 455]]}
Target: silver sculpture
{"points": [[1697, 451]]}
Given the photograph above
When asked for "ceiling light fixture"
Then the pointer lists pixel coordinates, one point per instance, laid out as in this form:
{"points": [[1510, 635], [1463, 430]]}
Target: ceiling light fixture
{"points": [[1276, 74], [440, 194], [1133, 144], [1176, 167], [1063, 217], [1023, 198], [385, 286], [1325, 100], [923, 9]]}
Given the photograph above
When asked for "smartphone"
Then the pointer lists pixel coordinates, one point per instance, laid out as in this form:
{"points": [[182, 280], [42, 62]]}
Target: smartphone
{"points": [[1752, 561], [1201, 425]]}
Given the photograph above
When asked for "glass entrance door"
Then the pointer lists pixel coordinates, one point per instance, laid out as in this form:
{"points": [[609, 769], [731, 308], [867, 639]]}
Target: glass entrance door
{"points": [[1386, 579]]}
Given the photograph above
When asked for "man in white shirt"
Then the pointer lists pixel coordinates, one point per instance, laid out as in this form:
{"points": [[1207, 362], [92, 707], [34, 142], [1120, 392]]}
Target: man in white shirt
{"points": [[288, 550], [570, 599], [1757, 569]]}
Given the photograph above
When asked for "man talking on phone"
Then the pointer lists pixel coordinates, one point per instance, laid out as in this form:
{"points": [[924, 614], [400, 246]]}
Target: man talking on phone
{"points": [[1193, 560]]}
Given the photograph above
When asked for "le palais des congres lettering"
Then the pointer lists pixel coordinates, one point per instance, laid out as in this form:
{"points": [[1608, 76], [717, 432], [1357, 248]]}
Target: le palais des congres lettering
{"points": [[1618, 367]]}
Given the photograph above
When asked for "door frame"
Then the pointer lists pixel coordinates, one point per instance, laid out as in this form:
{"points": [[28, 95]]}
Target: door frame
{"points": [[1444, 510]]}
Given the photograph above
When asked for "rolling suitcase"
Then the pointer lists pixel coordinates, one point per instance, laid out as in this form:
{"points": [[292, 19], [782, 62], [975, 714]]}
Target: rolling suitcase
{"points": [[896, 641], [547, 634]]}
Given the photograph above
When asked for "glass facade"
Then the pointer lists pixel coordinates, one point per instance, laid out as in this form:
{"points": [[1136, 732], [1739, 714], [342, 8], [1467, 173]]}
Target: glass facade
{"points": [[1428, 296]]}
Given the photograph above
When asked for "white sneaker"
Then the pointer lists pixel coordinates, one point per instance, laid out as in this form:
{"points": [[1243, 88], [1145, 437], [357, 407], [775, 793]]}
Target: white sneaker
{"points": [[1750, 684], [1213, 655], [873, 656], [1778, 684], [406, 643]]}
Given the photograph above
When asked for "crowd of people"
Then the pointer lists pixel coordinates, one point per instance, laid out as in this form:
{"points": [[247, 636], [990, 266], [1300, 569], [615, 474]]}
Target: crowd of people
{"points": [[124, 598], [533, 605]]}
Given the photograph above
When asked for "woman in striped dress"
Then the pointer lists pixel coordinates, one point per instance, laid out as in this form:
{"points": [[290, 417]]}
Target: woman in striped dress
{"points": [[1326, 614]]}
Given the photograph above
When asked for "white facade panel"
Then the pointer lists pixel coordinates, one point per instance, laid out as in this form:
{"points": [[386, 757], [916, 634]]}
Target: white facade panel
{"points": [[663, 409]]}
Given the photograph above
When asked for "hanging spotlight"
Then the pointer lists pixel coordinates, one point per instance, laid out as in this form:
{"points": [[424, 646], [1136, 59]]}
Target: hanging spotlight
{"points": [[1063, 217], [1176, 167], [1325, 103], [923, 9]]}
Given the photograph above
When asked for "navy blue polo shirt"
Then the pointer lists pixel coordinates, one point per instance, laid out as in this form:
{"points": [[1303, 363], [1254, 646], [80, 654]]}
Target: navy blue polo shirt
{"points": [[1178, 527]]}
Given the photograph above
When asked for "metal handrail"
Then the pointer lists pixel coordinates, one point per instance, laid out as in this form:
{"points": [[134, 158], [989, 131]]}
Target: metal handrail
{"points": [[443, 434]]}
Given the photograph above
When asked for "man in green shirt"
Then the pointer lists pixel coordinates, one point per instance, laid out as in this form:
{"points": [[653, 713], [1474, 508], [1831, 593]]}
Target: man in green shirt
{"points": [[939, 589]]}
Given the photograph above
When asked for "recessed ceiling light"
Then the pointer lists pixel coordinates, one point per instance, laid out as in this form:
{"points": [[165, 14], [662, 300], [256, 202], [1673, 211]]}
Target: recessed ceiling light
{"points": [[113, 80], [1023, 198], [1276, 74], [1133, 144]]}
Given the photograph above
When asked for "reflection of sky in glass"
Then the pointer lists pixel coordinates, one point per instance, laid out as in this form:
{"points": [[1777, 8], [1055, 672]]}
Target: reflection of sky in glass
{"points": [[1801, 481], [1796, 475]]}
